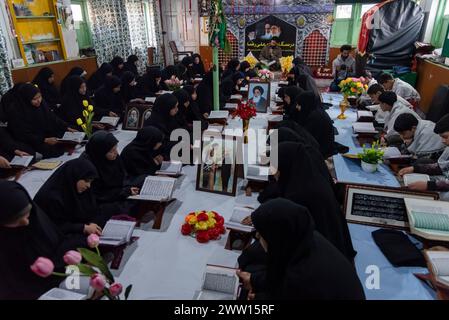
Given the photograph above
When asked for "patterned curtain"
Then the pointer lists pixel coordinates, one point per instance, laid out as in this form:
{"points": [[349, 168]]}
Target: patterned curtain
{"points": [[138, 34], [118, 28], [5, 72], [157, 25]]}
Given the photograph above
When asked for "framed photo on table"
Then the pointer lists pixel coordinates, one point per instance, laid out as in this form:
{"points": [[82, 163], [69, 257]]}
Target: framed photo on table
{"points": [[259, 93], [380, 206], [217, 172], [135, 115]]}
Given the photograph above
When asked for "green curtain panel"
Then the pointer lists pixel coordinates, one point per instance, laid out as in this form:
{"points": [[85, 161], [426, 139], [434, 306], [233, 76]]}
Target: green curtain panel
{"points": [[5, 71], [118, 29]]}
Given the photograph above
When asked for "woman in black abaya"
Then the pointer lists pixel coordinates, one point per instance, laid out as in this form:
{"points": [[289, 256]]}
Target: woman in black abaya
{"points": [[130, 65], [67, 199], [143, 155], [72, 103], [26, 233], [45, 80], [289, 96], [112, 187], [151, 83], [306, 182], [32, 123], [309, 114], [164, 117], [205, 94], [298, 258], [198, 66], [194, 112], [108, 99], [75, 71], [99, 77]]}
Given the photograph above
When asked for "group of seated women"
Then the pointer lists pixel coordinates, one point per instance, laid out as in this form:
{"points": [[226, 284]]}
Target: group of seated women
{"points": [[300, 228]]}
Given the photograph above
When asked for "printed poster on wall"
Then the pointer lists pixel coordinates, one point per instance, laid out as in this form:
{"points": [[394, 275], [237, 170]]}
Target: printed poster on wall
{"points": [[259, 34]]}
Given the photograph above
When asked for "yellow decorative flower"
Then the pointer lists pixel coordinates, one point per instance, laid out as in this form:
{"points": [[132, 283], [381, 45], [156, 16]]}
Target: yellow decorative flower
{"points": [[211, 214], [83, 126], [202, 225], [193, 220], [90, 108], [79, 121], [211, 223], [85, 103], [85, 113]]}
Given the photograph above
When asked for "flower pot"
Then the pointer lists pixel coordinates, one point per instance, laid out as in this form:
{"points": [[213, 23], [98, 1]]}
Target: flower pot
{"points": [[369, 167]]}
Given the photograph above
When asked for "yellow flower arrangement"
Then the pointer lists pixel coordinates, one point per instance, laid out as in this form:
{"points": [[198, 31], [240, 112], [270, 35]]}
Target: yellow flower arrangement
{"points": [[251, 59], [286, 63], [352, 87], [88, 114]]}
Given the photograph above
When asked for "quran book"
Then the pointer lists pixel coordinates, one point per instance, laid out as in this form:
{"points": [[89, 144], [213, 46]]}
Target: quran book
{"points": [[218, 115], [439, 265], [164, 92], [364, 127], [198, 79], [117, 232], [46, 165], [62, 294], [278, 100], [283, 83], [219, 283], [231, 106], [365, 116], [415, 177], [156, 189], [76, 137], [275, 117], [109, 121], [244, 89], [235, 223], [428, 218], [259, 173], [373, 108], [236, 97], [150, 99], [23, 162], [170, 168]]}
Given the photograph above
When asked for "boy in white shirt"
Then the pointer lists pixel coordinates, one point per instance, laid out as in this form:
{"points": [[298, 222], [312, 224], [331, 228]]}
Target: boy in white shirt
{"points": [[401, 88]]}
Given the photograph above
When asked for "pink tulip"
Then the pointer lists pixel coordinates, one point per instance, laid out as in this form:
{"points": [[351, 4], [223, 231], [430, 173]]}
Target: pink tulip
{"points": [[72, 257], [93, 240], [97, 282], [43, 267], [115, 289]]}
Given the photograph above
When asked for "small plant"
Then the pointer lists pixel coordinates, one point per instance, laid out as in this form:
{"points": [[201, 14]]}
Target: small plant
{"points": [[88, 115], [373, 155]]}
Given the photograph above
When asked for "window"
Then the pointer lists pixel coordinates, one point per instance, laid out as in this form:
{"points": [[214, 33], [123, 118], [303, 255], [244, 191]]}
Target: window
{"points": [[446, 9], [77, 12], [343, 11], [365, 8]]}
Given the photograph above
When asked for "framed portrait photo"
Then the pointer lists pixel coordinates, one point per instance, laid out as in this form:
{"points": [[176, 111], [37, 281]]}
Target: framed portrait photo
{"points": [[135, 114], [217, 172], [380, 206], [259, 93]]}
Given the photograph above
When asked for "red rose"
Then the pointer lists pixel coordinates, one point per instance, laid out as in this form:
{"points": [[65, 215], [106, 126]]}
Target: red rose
{"points": [[222, 229], [219, 220], [202, 236], [186, 229], [214, 233], [202, 217]]}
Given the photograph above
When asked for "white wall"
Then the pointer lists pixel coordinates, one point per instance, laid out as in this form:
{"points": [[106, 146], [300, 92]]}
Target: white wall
{"points": [[181, 24], [69, 33]]}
